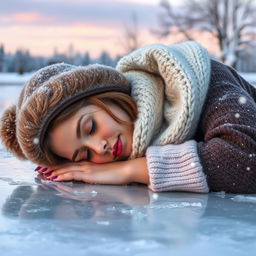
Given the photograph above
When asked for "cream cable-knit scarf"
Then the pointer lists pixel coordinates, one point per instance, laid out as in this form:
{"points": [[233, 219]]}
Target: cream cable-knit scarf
{"points": [[169, 85]]}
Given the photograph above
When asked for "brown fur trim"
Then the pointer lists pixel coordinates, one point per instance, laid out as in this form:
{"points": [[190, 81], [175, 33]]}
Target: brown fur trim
{"points": [[50, 89], [8, 132]]}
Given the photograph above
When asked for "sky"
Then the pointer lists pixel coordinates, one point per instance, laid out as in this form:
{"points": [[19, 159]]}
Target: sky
{"points": [[69, 26], [46, 26]]}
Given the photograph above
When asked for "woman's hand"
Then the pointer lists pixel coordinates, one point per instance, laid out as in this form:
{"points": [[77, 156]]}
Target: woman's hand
{"points": [[114, 173]]}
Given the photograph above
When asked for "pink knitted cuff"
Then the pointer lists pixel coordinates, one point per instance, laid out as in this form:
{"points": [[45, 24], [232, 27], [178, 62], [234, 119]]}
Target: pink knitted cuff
{"points": [[176, 168]]}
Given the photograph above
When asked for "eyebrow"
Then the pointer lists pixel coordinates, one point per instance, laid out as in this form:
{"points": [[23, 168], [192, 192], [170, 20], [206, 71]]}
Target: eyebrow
{"points": [[78, 135]]}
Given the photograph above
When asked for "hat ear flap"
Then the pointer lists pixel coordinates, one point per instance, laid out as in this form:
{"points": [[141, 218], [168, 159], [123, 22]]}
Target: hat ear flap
{"points": [[8, 132]]}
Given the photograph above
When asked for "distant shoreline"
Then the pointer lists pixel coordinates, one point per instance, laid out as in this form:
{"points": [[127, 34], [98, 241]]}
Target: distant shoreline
{"points": [[9, 79]]}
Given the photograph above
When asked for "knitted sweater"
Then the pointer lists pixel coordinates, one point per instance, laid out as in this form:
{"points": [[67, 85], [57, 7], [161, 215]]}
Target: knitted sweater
{"points": [[221, 156]]}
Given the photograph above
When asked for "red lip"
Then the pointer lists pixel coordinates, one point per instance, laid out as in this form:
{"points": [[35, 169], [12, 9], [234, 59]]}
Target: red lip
{"points": [[118, 147]]}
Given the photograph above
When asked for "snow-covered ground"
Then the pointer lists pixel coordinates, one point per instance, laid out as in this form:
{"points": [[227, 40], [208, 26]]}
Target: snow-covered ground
{"points": [[14, 78]]}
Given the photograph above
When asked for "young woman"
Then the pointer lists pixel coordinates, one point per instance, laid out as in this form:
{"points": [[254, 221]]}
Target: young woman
{"points": [[168, 116]]}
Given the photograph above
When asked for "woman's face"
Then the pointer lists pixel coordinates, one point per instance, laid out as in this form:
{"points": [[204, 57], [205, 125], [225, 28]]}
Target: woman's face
{"points": [[93, 135]]}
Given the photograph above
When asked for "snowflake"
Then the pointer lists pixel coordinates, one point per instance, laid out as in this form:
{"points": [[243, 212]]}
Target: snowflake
{"points": [[155, 196], [35, 140], [242, 100], [248, 168], [193, 164], [237, 115]]}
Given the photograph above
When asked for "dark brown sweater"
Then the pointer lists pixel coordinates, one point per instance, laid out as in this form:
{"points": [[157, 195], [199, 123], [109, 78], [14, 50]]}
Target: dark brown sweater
{"points": [[221, 156], [226, 134]]}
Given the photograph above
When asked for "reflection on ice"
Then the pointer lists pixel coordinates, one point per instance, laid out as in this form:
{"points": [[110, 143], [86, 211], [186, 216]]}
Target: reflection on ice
{"points": [[129, 218]]}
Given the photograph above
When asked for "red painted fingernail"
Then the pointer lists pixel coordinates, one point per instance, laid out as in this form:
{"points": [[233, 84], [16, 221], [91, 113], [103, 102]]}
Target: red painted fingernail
{"points": [[54, 177], [40, 170], [37, 168], [45, 169], [48, 174]]}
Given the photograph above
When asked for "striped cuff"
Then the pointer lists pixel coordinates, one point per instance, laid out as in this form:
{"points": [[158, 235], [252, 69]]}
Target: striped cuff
{"points": [[176, 168]]}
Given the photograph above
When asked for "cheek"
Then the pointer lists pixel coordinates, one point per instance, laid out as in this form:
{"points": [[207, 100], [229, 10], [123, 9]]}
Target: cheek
{"points": [[62, 144], [109, 127], [130, 137]]}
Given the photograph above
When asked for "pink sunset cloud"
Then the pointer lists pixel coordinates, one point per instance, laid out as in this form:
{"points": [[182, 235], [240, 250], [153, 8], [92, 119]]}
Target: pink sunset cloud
{"points": [[90, 26], [26, 17]]}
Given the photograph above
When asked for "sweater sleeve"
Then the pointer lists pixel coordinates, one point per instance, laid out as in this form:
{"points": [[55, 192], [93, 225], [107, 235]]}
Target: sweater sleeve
{"points": [[227, 145], [176, 168]]}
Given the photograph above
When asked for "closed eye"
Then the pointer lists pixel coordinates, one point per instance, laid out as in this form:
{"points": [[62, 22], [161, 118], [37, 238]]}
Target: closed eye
{"points": [[93, 127], [79, 134], [87, 151]]}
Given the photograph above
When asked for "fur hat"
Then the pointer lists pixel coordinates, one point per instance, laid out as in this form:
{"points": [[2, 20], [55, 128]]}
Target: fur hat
{"points": [[44, 96]]}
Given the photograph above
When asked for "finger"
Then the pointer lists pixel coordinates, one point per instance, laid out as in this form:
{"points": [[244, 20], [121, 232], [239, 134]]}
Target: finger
{"points": [[70, 169], [68, 165], [49, 173], [45, 170], [67, 176]]}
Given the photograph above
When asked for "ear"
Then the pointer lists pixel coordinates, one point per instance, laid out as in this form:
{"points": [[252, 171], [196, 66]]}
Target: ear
{"points": [[8, 132]]}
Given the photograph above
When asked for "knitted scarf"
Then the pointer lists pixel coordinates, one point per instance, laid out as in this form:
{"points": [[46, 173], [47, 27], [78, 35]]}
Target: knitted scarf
{"points": [[169, 85]]}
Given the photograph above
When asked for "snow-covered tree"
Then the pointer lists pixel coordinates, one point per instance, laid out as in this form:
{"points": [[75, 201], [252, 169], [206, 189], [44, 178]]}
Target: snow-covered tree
{"points": [[23, 61], [231, 22], [86, 59], [105, 59], [2, 59]]}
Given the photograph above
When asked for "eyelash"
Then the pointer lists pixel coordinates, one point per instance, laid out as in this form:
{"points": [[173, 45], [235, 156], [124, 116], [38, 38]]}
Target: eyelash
{"points": [[93, 128]]}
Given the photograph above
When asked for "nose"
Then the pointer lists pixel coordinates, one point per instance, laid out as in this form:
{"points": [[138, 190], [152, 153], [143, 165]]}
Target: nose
{"points": [[99, 146]]}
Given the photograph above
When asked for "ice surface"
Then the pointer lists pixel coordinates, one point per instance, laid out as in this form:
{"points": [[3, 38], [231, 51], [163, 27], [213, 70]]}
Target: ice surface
{"points": [[65, 218], [242, 198]]}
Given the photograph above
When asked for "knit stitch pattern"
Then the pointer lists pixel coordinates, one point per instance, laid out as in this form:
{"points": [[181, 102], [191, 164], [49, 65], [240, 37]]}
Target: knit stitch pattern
{"points": [[223, 147], [169, 85], [226, 133], [176, 168]]}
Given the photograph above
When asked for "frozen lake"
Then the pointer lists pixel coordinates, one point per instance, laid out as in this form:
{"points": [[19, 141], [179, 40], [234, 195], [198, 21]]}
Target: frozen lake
{"points": [[39, 218]]}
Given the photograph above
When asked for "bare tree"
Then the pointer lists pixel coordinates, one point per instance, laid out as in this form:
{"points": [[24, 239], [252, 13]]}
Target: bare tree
{"points": [[131, 40], [231, 22]]}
